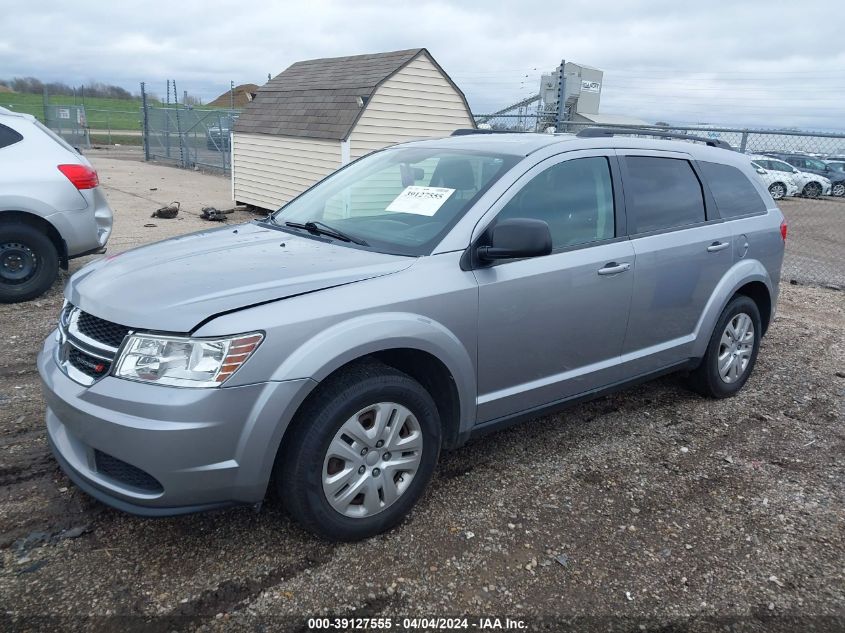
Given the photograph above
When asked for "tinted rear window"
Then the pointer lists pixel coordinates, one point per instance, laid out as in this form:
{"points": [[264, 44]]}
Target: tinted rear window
{"points": [[662, 193], [733, 192], [8, 136]]}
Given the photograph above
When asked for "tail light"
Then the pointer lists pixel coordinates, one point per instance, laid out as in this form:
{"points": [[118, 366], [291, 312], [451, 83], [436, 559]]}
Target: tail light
{"points": [[783, 230], [82, 176]]}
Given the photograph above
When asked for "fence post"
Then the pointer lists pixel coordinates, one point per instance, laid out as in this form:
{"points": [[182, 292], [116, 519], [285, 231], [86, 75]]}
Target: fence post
{"points": [[743, 143], [145, 123], [46, 98]]}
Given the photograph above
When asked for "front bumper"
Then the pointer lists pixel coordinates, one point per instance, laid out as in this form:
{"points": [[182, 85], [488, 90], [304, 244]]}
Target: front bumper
{"points": [[205, 448]]}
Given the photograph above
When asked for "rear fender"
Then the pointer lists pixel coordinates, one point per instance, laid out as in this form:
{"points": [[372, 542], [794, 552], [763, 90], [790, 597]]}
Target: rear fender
{"points": [[743, 272]]}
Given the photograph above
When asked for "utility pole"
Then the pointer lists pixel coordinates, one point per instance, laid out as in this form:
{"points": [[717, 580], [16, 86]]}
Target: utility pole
{"points": [[232, 94], [561, 97]]}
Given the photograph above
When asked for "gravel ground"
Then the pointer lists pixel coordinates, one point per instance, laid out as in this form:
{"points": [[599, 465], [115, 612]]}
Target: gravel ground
{"points": [[651, 509]]}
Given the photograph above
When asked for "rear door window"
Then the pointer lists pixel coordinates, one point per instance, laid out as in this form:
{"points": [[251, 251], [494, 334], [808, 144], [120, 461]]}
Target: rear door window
{"points": [[661, 194], [8, 136], [733, 192]]}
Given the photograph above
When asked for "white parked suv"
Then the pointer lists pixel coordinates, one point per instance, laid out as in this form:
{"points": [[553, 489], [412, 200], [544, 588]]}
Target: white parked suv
{"points": [[809, 185], [779, 184], [52, 208]]}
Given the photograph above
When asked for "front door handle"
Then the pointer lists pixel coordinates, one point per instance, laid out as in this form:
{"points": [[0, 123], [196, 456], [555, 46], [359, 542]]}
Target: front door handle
{"points": [[612, 268], [715, 247]]}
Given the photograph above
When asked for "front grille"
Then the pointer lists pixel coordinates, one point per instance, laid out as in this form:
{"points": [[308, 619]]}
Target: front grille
{"points": [[125, 473], [105, 332], [91, 366]]}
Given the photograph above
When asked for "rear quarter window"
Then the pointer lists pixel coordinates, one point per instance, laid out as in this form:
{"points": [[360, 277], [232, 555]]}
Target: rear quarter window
{"points": [[8, 136], [734, 194]]}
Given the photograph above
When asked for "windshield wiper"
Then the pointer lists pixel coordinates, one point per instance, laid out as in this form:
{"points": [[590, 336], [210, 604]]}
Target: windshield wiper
{"points": [[321, 228]]}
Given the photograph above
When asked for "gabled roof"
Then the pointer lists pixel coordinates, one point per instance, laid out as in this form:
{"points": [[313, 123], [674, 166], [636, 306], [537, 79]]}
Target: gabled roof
{"points": [[319, 98], [243, 95]]}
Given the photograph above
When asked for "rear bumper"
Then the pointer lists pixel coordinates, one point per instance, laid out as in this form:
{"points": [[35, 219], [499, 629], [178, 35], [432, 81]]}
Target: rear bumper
{"points": [[85, 230], [202, 448]]}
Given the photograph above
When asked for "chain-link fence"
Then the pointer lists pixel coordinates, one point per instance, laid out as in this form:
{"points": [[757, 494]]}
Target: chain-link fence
{"points": [[804, 171], [190, 137], [70, 122]]}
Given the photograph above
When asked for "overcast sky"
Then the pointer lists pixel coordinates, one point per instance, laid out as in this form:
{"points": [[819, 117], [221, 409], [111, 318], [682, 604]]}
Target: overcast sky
{"points": [[746, 63]]}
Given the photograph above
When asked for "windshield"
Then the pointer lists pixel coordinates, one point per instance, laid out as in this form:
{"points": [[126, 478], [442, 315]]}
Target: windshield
{"points": [[401, 200]]}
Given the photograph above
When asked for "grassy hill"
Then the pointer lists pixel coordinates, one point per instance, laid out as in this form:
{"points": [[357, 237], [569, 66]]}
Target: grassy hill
{"points": [[119, 114]]}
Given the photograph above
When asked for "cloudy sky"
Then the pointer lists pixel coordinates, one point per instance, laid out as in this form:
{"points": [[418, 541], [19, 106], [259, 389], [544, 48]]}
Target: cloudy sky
{"points": [[766, 63]]}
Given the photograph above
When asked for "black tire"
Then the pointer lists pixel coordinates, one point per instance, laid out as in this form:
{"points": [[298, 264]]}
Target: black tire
{"points": [[812, 190], [29, 262], [777, 190], [705, 379], [300, 464]]}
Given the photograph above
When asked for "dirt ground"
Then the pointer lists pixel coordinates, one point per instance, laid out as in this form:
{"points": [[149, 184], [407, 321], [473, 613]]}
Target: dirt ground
{"points": [[652, 509]]}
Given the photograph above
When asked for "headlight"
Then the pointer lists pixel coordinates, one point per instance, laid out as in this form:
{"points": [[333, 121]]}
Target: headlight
{"points": [[184, 362]]}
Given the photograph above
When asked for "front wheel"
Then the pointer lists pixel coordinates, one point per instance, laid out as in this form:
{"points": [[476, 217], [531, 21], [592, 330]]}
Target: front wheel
{"points": [[812, 190], [777, 190], [731, 352], [361, 453], [838, 189], [29, 262]]}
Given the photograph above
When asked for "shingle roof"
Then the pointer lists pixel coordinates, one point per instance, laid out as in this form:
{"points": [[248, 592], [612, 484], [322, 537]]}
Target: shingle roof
{"points": [[318, 98], [243, 95]]}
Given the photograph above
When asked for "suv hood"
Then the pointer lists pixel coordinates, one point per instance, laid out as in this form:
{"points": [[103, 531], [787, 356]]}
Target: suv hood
{"points": [[174, 285]]}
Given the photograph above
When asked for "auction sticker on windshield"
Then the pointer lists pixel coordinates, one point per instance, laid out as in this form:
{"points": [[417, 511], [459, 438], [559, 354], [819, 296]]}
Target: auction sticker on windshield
{"points": [[420, 200]]}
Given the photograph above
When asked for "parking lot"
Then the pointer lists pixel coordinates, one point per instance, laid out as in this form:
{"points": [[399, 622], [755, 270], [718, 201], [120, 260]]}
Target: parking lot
{"points": [[650, 507]]}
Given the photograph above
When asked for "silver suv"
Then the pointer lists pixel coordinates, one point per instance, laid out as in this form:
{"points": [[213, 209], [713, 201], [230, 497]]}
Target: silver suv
{"points": [[51, 207], [417, 297]]}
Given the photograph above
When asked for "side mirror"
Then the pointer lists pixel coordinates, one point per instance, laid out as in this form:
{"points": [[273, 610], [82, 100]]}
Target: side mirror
{"points": [[517, 238]]}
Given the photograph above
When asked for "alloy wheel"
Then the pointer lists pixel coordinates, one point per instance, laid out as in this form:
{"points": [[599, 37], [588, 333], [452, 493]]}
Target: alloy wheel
{"points": [[777, 191], [736, 347], [372, 459], [838, 190], [813, 190]]}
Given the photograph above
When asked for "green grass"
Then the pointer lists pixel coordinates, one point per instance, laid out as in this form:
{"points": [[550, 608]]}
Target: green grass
{"points": [[119, 114]]}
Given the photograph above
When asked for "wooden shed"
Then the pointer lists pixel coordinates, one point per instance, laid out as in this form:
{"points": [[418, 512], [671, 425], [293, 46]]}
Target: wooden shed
{"points": [[320, 114]]}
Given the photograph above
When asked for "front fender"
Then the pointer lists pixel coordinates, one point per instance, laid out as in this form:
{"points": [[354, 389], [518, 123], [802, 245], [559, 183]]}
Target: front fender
{"points": [[741, 273], [344, 342]]}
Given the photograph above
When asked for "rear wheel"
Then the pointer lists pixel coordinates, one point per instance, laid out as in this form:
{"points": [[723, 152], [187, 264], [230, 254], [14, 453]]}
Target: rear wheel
{"points": [[29, 262], [812, 190], [731, 352], [838, 189], [361, 453], [777, 190]]}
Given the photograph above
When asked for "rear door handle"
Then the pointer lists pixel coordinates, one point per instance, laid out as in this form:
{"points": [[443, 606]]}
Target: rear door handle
{"points": [[612, 268], [715, 247]]}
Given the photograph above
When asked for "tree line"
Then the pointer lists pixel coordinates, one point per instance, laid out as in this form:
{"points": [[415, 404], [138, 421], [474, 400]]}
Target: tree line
{"points": [[31, 85]]}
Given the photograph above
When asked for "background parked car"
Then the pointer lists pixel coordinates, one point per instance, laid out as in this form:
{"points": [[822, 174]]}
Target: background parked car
{"points": [[809, 185], [779, 184], [815, 166], [836, 165], [51, 207]]}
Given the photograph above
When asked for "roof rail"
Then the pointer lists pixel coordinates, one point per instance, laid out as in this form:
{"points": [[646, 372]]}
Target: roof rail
{"points": [[601, 132], [468, 130]]}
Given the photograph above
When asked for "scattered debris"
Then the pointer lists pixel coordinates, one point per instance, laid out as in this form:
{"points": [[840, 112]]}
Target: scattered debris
{"points": [[167, 213], [150, 225], [563, 559], [215, 215]]}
